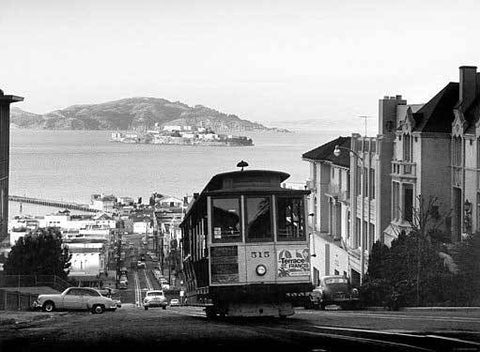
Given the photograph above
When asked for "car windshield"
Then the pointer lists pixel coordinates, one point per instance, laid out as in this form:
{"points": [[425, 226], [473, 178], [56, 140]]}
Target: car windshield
{"points": [[336, 280], [155, 293]]}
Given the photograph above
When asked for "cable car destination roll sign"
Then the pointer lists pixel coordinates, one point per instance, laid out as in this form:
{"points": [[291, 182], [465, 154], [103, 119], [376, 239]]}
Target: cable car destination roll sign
{"points": [[293, 262]]}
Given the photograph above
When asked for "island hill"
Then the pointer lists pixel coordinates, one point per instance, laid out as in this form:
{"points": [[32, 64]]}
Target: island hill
{"points": [[182, 135], [135, 114]]}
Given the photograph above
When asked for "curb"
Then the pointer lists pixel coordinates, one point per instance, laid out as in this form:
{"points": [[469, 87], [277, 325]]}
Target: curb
{"points": [[19, 320], [440, 308]]}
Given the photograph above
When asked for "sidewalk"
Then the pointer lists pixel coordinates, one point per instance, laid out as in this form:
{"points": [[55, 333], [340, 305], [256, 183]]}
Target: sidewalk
{"points": [[9, 317]]}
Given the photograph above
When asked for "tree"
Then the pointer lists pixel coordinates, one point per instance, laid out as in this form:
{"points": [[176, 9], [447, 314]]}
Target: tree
{"points": [[412, 267], [39, 253], [466, 255]]}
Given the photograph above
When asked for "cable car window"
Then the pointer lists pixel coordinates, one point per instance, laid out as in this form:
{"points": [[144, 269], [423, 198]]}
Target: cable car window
{"points": [[259, 219], [290, 215], [226, 219]]}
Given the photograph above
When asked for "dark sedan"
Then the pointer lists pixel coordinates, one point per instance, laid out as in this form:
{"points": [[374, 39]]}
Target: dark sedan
{"points": [[335, 289]]}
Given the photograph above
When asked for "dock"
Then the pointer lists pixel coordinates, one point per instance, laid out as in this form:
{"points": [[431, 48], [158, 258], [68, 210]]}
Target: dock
{"points": [[52, 203]]}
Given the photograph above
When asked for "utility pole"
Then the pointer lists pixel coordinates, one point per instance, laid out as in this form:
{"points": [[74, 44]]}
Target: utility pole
{"points": [[365, 118]]}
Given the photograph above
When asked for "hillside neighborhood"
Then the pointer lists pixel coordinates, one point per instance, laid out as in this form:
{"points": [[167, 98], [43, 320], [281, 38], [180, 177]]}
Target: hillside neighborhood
{"points": [[418, 175]]}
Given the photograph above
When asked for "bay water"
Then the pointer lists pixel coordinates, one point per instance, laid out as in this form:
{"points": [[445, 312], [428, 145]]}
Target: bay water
{"points": [[73, 165]]}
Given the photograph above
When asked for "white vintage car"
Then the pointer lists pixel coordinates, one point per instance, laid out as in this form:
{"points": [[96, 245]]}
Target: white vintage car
{"points": [[155, 298], [75, 298]]}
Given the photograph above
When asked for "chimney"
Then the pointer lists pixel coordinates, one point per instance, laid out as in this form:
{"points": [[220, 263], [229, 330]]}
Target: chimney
{"points": [[387, 113], [468, 84]]}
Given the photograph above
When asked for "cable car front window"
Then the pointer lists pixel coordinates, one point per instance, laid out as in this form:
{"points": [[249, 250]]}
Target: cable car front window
{"points": [[226, 220], [290, 215], [259, 219]]}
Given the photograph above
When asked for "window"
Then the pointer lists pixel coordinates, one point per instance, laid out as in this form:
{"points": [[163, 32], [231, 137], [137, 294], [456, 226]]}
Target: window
{"points": [[258, 218], [226, 220], [291, 222], [74, 292], [364, 180], [457, 151], [90, 293], [371, 181], [407, 148], [408, 202], [358, 181]]}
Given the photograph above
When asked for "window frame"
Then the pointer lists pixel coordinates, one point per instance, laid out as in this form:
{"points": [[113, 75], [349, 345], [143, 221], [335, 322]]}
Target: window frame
{"points": [[271, 238], [303, 222], [238, 238]]}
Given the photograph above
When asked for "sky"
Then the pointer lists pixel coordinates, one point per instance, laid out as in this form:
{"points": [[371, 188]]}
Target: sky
{"points": [[265, 61]]}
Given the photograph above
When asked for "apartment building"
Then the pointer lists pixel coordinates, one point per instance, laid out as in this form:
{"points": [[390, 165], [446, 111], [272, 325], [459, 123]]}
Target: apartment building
{"points": [[5, 101], [350, 180], [437, 154], [329, 220], [427, 151], [465, 155]]}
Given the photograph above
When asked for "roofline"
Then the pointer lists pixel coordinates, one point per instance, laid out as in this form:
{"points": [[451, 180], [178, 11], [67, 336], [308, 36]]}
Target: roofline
{"points": [[10, 98]]}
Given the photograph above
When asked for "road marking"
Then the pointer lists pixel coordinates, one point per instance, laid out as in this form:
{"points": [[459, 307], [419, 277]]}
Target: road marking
{"points": [[188, 312], [399, 316], [349, 338], [405, 334], [149, 284], [138, 292]]}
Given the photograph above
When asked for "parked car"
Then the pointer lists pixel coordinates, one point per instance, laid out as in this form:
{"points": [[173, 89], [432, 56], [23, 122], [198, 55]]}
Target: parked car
{"points": [[174, 302], [334, 289], [141, 265], [155, 298], [75, 298]]}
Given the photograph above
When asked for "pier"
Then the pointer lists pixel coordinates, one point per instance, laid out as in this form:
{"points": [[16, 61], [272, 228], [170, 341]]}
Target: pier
{"points": [[52, 203]]}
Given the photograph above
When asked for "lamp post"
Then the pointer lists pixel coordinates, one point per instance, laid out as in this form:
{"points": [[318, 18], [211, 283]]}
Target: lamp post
{"points": [[337, 152]]}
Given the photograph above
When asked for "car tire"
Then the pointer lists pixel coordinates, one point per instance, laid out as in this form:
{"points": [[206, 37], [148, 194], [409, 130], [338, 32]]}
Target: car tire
{"points": [[164, 307], [48, 306], [97, 309], [211, 313], [146, 308]]}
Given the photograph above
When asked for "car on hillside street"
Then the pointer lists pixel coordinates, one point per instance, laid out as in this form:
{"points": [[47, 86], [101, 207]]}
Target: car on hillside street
{"points": [[333, 289], [174, 302], [155, 298], [76, 298]]}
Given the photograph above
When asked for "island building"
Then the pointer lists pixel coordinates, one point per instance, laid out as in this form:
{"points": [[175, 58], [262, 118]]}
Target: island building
{"points": [[5, 101], [369, 189], [181, 135]]}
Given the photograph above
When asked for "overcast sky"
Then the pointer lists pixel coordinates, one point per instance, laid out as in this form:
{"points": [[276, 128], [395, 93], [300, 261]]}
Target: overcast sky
{"points": [[262, 60]]}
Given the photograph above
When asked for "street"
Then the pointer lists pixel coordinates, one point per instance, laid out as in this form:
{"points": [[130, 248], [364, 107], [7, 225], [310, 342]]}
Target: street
{"points": [[182, 328]]}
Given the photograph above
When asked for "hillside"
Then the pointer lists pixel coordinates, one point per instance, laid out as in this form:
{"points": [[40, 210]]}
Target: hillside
{"points": [[132, 114]]}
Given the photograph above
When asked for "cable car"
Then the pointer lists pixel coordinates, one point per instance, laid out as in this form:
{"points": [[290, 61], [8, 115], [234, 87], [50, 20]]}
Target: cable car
{"points": [[245, 246]]}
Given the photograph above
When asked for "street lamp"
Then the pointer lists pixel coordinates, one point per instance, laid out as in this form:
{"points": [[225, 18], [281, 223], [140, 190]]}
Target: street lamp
{"points": [[337, 152]]}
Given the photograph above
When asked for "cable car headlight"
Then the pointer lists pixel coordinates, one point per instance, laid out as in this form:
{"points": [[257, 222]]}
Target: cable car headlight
{"points": [[261, 270]]}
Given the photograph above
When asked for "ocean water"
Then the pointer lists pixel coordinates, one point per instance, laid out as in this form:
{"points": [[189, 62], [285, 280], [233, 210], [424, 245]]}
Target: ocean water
{"points": [[73, 165]]}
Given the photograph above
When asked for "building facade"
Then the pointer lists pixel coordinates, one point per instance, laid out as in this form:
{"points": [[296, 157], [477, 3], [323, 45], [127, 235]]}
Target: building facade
{"points": [[350, 204], [465, 155], [329, 208], [5, 101], [422, 152]]}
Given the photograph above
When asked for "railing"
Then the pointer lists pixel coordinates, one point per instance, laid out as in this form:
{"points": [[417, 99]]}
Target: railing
{"points": [[52, 203], [404, 169], [52, 281], [14, 300]]}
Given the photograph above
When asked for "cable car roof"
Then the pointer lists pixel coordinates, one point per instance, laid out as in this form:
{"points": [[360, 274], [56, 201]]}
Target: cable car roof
{"points": [[247, 181]]}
